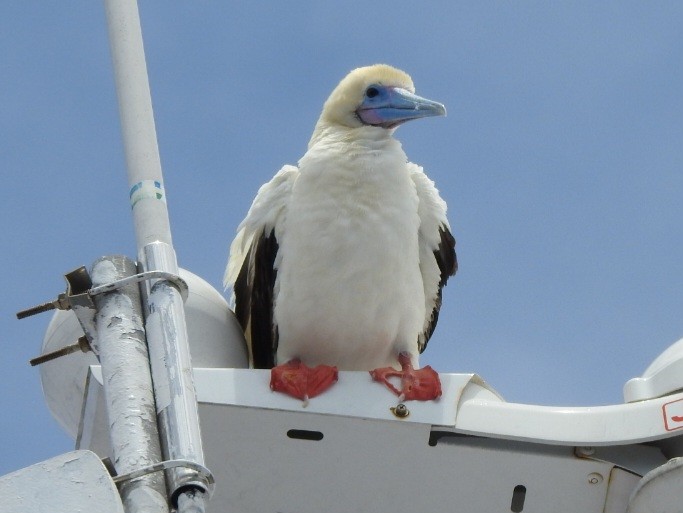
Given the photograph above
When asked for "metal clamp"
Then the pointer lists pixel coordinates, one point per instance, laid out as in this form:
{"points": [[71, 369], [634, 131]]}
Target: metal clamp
{"points": [[78, 283], [80, 293], [66, 301], [176, 280], [203, 472]]}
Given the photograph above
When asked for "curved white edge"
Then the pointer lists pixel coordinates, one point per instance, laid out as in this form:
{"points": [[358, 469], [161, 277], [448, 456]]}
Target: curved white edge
{"points": [[599, 425]]}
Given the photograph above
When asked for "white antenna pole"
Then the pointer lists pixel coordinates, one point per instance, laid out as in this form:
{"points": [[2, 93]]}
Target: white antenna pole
{"points": [[165, 325]]}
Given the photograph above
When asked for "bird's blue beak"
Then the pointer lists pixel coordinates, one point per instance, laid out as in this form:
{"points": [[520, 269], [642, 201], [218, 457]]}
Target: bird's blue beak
{"points": [[388, 107]]}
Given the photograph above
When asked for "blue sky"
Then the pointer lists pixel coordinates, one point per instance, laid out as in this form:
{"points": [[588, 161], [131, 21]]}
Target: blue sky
{"points": [[561, 159]]}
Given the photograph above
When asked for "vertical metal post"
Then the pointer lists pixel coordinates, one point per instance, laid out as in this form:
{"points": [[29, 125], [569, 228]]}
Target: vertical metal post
{"points": [[165, 316], [127, 384]]}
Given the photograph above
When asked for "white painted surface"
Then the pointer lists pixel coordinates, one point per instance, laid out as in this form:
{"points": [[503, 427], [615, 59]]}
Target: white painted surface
{"points": [[660, 490], [663, 376], [355, 395], [69, 483], [468, 405], [370, 465], [466, 452]]}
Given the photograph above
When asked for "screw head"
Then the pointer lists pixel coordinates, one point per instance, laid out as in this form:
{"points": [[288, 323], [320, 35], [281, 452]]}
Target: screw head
{"points": [[583, 452], [594, 478], [400, 410]]}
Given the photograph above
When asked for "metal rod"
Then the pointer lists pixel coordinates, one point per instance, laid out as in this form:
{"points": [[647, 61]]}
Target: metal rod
{"points": [[127, 384], [60, 303], [165, 316], [81, 345]]}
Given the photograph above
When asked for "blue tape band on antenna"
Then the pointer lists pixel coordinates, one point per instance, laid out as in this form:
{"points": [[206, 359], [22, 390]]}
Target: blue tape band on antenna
{"points": [[147, 189]]}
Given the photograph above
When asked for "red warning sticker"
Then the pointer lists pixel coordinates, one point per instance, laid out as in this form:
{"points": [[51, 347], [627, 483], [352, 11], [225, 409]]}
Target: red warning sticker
{"points": [[673, 415]]}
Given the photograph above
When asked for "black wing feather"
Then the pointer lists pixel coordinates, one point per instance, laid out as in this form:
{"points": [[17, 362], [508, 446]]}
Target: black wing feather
{"points": [[254, 300], [447, 261]]}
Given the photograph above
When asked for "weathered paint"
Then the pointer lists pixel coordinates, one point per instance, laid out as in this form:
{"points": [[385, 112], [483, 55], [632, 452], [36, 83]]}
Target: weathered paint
{"points": [[127, 383]]}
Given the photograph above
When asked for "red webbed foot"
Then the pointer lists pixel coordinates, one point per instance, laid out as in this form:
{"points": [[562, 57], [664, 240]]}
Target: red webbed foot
{"points": [[298, 380], [416, 384]]}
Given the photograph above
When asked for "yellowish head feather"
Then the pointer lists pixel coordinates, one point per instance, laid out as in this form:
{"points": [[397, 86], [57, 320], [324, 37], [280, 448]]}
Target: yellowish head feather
{"points": [[340, 107]]}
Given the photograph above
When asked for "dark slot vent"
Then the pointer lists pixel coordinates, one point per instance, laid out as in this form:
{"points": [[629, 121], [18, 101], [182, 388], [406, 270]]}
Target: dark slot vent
{"points": [[436, 436], [518, 496], [304, 434]]}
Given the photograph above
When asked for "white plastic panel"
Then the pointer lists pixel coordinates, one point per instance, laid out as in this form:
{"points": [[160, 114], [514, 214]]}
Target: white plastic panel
{"points": [[269, 461], [347, 452], [71, 482], [621, 486], [467, 405], [660, 490]]}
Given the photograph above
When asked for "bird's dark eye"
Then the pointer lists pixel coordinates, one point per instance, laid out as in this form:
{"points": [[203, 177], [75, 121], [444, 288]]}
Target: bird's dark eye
{"points": [[371, 92]]}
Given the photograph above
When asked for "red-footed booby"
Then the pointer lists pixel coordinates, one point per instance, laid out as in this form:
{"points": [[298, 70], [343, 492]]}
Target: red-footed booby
{"points": [[340, 261]]}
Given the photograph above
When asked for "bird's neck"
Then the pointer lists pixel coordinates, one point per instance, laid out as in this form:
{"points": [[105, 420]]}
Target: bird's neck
{"points": [[371, 136], [349, 158]]}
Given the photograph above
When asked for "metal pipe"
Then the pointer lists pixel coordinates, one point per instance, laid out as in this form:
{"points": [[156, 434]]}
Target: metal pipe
{"points": [[127, 385], [165, 317]]}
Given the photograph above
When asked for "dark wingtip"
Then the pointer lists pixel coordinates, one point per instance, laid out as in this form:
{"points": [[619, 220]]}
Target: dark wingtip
{"points": [[445, 255]]}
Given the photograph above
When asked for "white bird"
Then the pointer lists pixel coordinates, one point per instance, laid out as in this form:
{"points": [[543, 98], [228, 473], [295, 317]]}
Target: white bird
{"points": [[340, 261]]}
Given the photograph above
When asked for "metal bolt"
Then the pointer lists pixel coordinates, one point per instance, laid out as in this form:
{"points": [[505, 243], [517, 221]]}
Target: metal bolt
{"points": [[61, 303], [82, 344], [583, 452], [594, 478], [400, 410]]}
